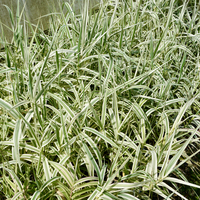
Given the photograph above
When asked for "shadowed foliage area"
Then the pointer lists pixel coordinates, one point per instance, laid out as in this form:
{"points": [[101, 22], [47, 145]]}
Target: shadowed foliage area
{"points": [[104, 105]]}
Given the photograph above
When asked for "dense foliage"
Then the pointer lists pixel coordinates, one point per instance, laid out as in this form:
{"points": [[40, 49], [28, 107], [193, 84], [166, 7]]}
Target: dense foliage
{"points": [[103, 106]]}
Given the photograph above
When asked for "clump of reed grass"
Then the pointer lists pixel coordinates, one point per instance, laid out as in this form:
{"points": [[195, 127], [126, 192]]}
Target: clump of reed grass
{"points": [[104, 107]]}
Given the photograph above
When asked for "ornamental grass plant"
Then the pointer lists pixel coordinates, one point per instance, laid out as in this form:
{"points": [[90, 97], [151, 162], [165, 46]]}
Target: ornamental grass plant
{"points": [[106, 105]]}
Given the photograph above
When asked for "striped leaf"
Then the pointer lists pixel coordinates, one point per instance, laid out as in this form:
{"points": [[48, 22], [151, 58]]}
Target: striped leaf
{"points": [[103, 137], [64, 172], [16, 139]]}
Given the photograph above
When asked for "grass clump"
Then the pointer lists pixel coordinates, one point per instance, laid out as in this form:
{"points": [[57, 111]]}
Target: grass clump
{"points": [[104, 106]]}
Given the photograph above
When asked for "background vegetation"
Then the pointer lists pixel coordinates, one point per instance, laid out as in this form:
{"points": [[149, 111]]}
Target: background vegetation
{"points": [[103, 106]]}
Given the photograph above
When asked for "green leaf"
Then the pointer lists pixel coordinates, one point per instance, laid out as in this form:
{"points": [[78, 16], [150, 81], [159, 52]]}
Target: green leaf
{"points": [[180, 115], [96, 167], [35, 195], [16, 179], [18, 195], [64, 104], [174, 160], [103, 137], [94, 195], [171, 189]]}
